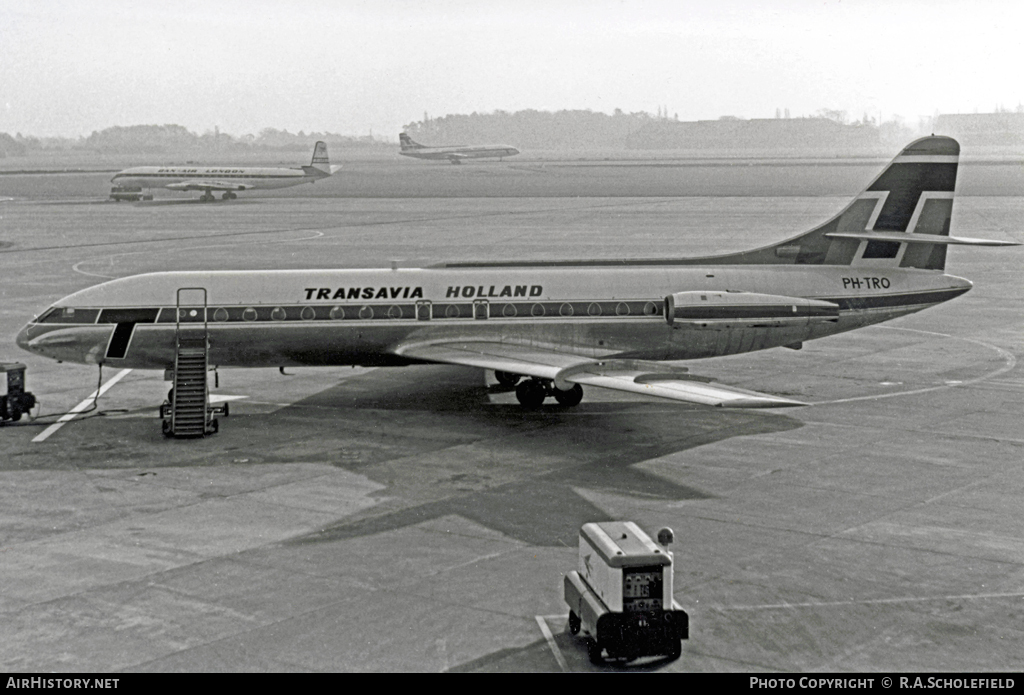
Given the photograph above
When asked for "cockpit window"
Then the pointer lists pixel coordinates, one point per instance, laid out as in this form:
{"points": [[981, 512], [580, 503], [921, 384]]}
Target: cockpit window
{"points": [[59, 314]]}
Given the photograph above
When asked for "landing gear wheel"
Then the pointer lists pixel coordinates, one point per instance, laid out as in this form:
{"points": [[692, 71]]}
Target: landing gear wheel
{"points": [[574, 623], [569, 398], [594, 652], [507, 378], [227, 196], [206, 198], [531, 393]]}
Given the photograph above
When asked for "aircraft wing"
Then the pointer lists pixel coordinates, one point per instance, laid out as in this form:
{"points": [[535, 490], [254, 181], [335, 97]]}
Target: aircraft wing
{"points": [[635, 376], [201, 185]]}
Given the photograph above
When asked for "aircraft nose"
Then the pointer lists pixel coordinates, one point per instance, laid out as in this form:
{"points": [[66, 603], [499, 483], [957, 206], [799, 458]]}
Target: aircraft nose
{"points": [[23, 338]]}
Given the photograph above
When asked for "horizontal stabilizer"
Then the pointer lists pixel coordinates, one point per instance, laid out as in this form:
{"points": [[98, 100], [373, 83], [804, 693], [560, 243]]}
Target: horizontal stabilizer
{"points": [[905, 238], [634, 376]]}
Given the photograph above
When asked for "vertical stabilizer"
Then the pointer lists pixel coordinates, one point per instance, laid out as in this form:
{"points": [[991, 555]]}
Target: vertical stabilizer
{"points": [[321, 161], [912, 195], [407, 143]]}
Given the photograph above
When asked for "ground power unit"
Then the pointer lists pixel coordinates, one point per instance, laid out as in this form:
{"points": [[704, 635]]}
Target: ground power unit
{"points": [[621, 595], [17, 401]]}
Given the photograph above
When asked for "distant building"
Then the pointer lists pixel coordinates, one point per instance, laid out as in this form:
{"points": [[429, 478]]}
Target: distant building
{"points": [[755, 134], [983, 129]]}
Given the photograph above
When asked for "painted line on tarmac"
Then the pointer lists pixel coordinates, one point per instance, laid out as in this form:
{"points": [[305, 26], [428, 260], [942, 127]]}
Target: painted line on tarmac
{"points": [[42, 436], [550, 638], [1009, 362], [111, 258], [868, 602]]}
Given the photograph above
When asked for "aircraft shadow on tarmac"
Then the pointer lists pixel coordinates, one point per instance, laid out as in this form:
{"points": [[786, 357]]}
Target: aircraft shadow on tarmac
{"points": [[194, 201], [432, 436]]}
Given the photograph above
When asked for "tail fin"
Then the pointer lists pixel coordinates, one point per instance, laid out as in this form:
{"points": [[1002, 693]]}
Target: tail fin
{"points": [[407, 143], [900, 220], [321, 162]]}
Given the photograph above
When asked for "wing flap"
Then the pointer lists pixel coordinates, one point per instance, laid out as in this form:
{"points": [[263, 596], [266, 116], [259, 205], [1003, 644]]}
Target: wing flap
{"points": [[633, 376], [684, 388]]}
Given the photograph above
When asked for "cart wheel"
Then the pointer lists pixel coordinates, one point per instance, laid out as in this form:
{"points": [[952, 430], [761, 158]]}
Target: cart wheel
{"points": [[227, 410], [574, 623], [594, 652]]}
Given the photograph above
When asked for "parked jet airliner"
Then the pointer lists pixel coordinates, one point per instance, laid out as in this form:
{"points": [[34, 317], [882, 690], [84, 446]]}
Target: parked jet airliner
{"points": [[226, 178], [551, 327], [453, 153]]}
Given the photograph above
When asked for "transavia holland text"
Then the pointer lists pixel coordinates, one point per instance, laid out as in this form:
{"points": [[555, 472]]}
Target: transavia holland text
{"points": [[466, 291]]}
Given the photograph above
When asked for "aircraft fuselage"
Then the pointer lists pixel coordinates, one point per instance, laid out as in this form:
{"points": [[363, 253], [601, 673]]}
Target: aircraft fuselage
{"points": [[475, 152], [277, 318], [249, 177]]}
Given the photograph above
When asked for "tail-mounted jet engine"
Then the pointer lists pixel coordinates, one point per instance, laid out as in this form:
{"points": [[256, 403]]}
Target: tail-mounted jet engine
{"points": [[724, 309]]}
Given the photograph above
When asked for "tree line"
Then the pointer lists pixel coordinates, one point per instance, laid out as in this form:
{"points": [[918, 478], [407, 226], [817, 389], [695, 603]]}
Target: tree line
{"points": [[157, 139]]}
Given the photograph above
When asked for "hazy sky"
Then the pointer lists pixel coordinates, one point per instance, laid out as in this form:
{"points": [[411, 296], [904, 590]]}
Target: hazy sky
{"points": [[71, 67]]}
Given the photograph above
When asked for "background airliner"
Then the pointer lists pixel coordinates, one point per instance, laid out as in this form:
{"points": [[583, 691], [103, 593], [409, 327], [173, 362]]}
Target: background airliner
{"points": [[226, 178], [551, 327], [453, 153]]}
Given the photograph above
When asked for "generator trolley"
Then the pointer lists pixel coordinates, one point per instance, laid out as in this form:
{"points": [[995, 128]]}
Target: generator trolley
{"points": [[620, 597]]}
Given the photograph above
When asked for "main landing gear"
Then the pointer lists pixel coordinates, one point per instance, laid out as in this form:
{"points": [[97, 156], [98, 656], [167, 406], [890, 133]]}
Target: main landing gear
{"points": [[209, 197], [532, 392]]}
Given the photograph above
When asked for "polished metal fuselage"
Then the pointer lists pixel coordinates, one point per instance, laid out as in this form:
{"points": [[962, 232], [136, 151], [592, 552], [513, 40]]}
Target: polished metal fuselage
{"points": [[249, 177], [364, 317]]}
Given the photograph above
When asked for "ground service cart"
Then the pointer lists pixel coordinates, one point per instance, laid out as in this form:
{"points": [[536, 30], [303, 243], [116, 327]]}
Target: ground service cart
{"points": [[17, 401], [621, 596]]}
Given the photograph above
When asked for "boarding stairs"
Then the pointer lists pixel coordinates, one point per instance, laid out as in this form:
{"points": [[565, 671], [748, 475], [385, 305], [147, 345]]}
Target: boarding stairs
{"points": [[188, 412]]}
